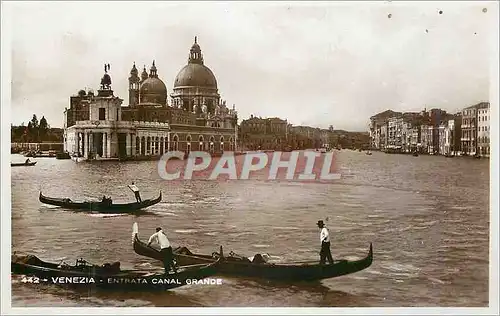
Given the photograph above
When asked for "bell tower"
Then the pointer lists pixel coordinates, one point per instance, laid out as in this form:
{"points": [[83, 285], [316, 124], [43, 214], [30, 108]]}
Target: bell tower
{"points": [[133, 86]]}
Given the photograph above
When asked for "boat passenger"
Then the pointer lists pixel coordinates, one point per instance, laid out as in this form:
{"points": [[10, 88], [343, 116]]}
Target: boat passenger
{"points": [[27, 161], [166, 249], [135, 189], [324, 237]]}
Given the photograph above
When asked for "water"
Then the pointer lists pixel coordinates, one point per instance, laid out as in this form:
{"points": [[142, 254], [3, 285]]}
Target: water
{"points": [[427, 216]]}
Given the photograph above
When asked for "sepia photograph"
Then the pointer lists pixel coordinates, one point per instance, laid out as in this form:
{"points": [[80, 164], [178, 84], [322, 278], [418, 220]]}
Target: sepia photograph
{"points": [[188, 157]]}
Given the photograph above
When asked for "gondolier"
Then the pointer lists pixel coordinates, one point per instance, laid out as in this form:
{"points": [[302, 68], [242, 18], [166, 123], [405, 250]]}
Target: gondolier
{"points": [[324, 237], [166, 252], [135, 189]]}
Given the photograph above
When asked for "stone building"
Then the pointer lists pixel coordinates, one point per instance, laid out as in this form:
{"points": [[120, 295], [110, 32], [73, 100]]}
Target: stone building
{"points": [[483, 129], [196, 118], [264, 133]]}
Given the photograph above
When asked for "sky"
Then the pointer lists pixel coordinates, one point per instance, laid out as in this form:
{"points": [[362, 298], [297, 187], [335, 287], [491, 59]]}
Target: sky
{"points": [[316, 64]]}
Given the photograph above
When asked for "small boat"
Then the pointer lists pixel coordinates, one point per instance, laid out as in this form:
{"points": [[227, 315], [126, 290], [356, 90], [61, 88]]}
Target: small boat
{"points": [[415, 154], [107, 276], [100, 206], [369, 153], [23, 164], [258, 267]]}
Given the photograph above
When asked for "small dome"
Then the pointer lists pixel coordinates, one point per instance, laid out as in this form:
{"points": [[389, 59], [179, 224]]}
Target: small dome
{"points": [[153, 86], [195, 75], [153, 90]]}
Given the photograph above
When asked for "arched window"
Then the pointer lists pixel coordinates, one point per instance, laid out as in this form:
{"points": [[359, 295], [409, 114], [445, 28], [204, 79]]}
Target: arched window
{"points": [[231, 145], [148, 145], [166, 144], [157, 145], [137, 145], [162, 143], [221, 144]]}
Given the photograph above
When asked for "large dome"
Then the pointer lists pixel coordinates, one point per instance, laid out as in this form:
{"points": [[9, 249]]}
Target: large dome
{"points": [[195, 75]]}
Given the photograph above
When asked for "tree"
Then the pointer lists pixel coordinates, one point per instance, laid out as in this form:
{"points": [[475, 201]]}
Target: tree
{"points": [[43, 128], [34, 122]]}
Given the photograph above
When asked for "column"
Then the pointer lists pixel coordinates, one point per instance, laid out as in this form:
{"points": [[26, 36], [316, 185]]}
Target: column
{"points": [[104, 153], [140, 145], [127, 145], [86, 146], [108, 151], [134, 145]]}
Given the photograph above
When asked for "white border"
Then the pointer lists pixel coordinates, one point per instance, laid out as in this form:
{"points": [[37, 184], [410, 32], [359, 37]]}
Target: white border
{"points": [[5, 184], [6, 218]]}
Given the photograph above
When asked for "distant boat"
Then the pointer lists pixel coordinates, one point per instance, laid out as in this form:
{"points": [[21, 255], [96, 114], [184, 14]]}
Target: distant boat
{"points": [[369, 153], [415, 154], [23, 164]]}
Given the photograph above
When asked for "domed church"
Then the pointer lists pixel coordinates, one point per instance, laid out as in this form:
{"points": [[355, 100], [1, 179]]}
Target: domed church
{"points": [[99, 126]]}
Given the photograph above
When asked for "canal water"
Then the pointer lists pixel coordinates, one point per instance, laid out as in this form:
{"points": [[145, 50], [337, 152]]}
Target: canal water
{"points": [[427, 217]]}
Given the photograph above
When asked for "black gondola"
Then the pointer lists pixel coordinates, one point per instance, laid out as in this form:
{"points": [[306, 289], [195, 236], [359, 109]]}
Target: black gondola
{"points": [[23, 164], [107, 276], [100, 206], [241, 266]]}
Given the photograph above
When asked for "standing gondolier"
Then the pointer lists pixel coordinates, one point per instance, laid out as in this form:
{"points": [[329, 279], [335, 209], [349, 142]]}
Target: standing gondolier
{"points": [[324, 237], [135, 189], [166, 249]]}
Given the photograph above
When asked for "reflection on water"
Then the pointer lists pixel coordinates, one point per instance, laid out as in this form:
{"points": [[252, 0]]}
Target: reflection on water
{"points": [[428, 219]]}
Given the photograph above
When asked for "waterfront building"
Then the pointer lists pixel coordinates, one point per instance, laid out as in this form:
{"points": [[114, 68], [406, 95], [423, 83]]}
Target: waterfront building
{"points": [[427, 136], [470, 128], [265, 133], [469, 131], [378, 133], [483, 129], [395, 133], [99, 126]]}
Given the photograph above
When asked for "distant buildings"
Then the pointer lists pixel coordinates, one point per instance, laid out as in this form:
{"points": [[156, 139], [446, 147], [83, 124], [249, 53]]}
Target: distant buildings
{"points": [[433, 132]]}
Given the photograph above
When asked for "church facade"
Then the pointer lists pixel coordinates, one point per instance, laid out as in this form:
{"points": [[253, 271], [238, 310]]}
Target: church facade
{"points": [[196, 118]]}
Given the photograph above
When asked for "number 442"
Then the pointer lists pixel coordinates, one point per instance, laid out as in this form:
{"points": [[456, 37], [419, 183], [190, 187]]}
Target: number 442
{"points": [[30, 280]]}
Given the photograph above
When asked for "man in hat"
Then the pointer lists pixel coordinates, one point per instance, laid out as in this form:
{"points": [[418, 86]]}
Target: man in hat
{"points": [[166, 250], [324, 237]]}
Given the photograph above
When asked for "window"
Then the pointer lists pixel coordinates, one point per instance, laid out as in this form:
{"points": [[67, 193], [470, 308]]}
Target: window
{"points": [[102, 114]]}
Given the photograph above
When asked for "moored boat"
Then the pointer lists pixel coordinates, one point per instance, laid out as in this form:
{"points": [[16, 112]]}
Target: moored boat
{"points": [[258, 267], [107, 276], [23, 164], [100, 206]]}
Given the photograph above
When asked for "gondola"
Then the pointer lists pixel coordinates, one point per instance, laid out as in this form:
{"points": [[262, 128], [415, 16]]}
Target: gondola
{"points": [[23, 164], [101, 206], [107, 276], [241, 266]]}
